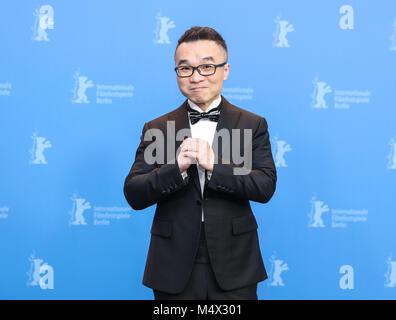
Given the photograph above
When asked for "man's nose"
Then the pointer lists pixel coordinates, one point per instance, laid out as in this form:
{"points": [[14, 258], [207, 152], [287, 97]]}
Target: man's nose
{"points": [[196, 77]]}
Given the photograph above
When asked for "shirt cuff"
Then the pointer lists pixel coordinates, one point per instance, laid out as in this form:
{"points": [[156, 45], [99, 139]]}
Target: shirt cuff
{"points": [[184, 174]]}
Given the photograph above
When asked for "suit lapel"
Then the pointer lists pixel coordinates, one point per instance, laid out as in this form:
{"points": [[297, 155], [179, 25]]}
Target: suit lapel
{"points": [[228, 120], [182, 122]]}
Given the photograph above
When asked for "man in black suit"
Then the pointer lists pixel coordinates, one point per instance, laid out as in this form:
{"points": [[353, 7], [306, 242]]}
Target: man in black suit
{"points": [[204, 241]]}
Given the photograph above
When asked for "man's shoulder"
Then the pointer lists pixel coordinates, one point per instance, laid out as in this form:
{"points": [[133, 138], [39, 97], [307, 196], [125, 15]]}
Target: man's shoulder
{"points": [[161, 120], [246, 114]]}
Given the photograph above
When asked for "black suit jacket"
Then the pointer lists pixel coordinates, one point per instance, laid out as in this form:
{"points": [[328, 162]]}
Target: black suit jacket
{"points": [[230, 226]]}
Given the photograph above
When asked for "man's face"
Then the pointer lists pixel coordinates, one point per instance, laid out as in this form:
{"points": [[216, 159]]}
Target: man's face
{"points": [[202, 90]]}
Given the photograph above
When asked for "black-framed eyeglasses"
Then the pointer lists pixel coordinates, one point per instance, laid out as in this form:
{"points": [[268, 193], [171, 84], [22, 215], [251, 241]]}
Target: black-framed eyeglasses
{"points": [[206, 69]]}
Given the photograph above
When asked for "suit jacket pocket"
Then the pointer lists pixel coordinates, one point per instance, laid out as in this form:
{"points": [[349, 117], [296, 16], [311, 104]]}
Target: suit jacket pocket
{"points": [[244, 224], [162, 228]]}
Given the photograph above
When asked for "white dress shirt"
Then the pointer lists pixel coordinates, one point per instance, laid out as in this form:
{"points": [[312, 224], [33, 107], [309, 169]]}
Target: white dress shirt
{"points": [[203, 129]]}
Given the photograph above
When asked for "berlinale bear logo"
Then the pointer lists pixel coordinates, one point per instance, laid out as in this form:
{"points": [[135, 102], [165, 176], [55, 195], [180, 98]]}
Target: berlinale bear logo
{"points": [[161, 32], [40, 273], [392, 155], [280, 148], [44, 21], [393, 37], [283, 27], [390, 275], [317, 210], [81, 84], [320, 90], [79, 206], [37, 151], [278, 266]]}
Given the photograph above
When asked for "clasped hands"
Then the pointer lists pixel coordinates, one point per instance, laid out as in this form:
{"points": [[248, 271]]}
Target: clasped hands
{"points": [[198, 149]]}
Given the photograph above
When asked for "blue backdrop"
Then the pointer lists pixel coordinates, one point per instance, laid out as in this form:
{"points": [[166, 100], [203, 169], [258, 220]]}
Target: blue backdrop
{"points": [[78, 80]]}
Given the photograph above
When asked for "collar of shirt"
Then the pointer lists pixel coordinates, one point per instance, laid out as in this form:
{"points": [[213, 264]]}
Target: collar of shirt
{"points": [[213, 105]]}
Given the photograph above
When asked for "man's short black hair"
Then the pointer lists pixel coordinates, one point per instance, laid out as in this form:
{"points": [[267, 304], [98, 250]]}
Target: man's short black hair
{"points": [[203, 33]]}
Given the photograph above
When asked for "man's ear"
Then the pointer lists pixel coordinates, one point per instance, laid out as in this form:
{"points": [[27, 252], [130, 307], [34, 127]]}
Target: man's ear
{"points": [[226, 71]]}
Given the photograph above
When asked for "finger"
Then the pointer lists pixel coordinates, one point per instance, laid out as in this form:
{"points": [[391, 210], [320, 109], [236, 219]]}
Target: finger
{"points": [[196, 144], [202, 144], [191, 154], [191, 145], [187, 148], [186, 141]]}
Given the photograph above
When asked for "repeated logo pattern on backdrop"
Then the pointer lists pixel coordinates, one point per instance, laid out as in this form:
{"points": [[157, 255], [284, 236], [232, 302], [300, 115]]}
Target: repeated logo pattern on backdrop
{"points": [[77, 86]]}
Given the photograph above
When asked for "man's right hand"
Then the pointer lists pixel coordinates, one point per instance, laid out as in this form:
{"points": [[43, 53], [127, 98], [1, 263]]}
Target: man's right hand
{"points": [[187, 156]]}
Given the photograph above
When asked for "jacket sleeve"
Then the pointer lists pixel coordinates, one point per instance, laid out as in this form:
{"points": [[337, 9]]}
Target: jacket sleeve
{"points": [[147, 184], [260, 182]]}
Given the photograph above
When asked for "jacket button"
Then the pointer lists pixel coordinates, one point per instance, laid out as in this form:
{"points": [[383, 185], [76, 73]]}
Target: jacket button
{"points": [[199, 202]]}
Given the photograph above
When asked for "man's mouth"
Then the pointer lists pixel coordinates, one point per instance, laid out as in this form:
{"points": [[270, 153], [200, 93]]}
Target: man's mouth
{"points": [[197, 88]]}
